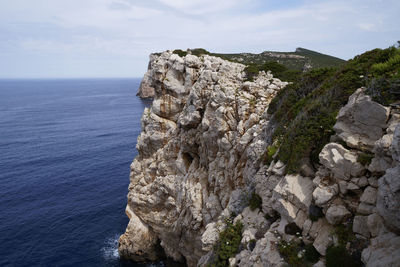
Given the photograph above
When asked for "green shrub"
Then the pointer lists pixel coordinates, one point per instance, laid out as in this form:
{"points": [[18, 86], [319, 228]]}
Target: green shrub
{"points": [[228, 244], [344, 233], [289, 251], [255, 201], [365, 158], [311, 253], [278, 70], [180, 52], [338, 256], [268, 155]]}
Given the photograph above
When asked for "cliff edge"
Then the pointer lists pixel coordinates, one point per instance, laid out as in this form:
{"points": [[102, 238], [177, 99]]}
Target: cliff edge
{"points": [[208, 186]]}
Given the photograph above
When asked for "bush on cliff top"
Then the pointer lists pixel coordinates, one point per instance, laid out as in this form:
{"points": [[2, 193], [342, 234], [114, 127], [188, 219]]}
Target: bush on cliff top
{"points": [[305, 111], [278, 70]]}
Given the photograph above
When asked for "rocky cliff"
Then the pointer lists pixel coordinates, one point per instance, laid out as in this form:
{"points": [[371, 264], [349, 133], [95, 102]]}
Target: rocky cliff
{"points": [[206, 171]]}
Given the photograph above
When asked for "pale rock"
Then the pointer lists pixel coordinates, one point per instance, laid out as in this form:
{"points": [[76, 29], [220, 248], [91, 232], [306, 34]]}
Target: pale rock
{"points": [[307, 227], [139, 241], [324, 194], [301, 218], [265, 253], [146, 90], [211, 235], [361, 121], [232, 262], [336, 214], [279, 168], [321, 231], [342, 162], [383, 251], [369, 195], [296, 189]]}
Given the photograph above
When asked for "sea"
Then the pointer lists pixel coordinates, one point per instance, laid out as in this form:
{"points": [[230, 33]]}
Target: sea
{"points": [[65, 150]]}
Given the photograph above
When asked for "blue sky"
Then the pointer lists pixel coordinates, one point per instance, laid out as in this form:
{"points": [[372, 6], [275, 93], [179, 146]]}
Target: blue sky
{"points": [[113, 38]]}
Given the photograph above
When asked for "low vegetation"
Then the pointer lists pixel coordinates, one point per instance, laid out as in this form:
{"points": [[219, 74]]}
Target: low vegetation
{"points": [[297, 254], [305, 111], [365, 158], [228, 244], [255, 201]]}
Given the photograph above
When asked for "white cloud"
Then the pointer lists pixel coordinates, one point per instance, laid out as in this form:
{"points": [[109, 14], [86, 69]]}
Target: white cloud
{"points": [[198, 7], [134, 28]]}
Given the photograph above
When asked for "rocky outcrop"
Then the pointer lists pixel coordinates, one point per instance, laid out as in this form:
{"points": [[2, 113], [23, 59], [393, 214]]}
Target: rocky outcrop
{"points": [[146, 90], [201, 158], [200, 147]]}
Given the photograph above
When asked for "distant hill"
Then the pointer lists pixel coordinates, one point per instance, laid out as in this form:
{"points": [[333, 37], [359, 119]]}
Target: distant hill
{"points": [[299, 60]]}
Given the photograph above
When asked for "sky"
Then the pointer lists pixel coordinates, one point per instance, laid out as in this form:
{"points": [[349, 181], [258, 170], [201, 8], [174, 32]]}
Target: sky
{"points": [[113, 38]]}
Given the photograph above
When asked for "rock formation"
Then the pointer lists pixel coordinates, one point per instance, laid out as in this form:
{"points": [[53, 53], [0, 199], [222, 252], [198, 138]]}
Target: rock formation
{"points": [[202, 155]]}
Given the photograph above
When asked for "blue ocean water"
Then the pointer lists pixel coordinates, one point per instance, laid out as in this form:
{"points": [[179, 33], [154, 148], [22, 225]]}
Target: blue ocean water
{"points": [[65, 151]]}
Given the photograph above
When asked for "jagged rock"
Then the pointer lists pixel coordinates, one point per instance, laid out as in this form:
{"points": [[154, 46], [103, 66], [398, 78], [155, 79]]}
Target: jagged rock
{"points": [[360, 226], [321, 231], [337, 214], [201, 146], [139, 242], [342, 162], [145, 89], [265, 253], [295, 189], [325, 193], [211, 235], [383, 251], [388, 201], [361, 122], [369, 195]]}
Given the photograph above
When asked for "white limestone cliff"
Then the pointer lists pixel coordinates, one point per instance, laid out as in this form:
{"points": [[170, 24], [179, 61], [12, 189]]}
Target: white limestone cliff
{"points": [[201, 156]]}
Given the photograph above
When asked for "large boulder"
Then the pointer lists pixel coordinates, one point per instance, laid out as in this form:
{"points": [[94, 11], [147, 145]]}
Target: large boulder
{"points": [[383, 251], [336, 214], [340, 161], [361, 122]]}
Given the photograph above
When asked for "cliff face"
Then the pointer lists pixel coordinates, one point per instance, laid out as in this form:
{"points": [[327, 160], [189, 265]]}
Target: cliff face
{"points": [[202, 154]]}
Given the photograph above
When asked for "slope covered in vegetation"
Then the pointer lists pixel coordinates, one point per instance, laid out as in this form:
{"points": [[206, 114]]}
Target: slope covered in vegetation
{"points": [[305, 111], [298, 60]]}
